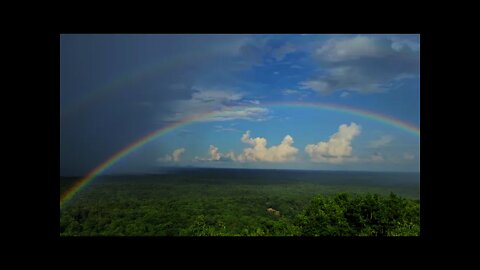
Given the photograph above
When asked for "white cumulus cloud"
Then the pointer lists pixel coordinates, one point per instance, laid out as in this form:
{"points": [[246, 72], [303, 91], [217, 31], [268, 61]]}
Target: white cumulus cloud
{"points": [[177, 153], [175, 156], [214, 153], [337, 148], [260, 152], [230, 155]]}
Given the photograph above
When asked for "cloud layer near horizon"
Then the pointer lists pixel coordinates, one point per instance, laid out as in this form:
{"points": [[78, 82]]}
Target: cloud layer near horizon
{"points": [[336, 150]]}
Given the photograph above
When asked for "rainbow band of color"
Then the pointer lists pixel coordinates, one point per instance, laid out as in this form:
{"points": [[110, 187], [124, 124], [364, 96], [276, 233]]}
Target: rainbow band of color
{"points": [[388, 120], [80, 184]]}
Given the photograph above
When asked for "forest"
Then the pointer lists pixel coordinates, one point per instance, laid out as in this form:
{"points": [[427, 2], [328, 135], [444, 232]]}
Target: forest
{"points": [[206, 205]]}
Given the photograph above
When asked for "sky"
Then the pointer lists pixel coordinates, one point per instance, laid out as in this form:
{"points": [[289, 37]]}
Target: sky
{"points": [[115, 89]]}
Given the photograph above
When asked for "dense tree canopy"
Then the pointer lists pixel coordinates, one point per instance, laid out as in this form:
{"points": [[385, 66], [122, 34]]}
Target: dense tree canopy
{"points": [[354, 215], [123, 208]]}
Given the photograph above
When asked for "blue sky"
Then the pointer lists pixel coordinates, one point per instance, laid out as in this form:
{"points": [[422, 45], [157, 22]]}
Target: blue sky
{"points": [[115, 89]]}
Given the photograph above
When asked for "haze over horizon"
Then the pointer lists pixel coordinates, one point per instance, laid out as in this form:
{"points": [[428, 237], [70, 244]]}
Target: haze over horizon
{"points": [[115, 89]]}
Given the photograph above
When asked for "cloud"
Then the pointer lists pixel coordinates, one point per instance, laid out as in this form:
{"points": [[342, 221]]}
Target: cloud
{"points": [[260, 152], [157, 76], [175, 156], [249, 113], [177, 64], [408, 156], [246, 137], [376, 157], [216, 95], [290, 92], [340, 50], [221, 103], [215, 155], [399, 43], [363, 64], [213, 152], [296, 67], [344, 94], [177, 153], [220, 128], [280, 53], [337, 149], [230, 155], [299, 94], [381, 142]]}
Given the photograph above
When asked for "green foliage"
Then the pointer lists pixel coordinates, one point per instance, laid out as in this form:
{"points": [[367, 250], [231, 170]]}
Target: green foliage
{"points": [[360, 215], [174, 207]]}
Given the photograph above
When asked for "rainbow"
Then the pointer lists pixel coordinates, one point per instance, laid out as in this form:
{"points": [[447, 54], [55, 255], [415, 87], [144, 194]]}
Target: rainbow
{"points": [[137, 144], [388, 120]]}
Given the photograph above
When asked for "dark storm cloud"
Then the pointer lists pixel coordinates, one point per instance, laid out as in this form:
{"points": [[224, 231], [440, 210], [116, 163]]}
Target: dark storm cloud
{"points": [[118, 86], [152, 67]]}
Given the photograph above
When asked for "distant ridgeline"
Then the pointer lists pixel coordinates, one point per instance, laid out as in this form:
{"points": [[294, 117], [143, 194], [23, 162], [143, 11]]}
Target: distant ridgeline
{"points": [[228, 202]]}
